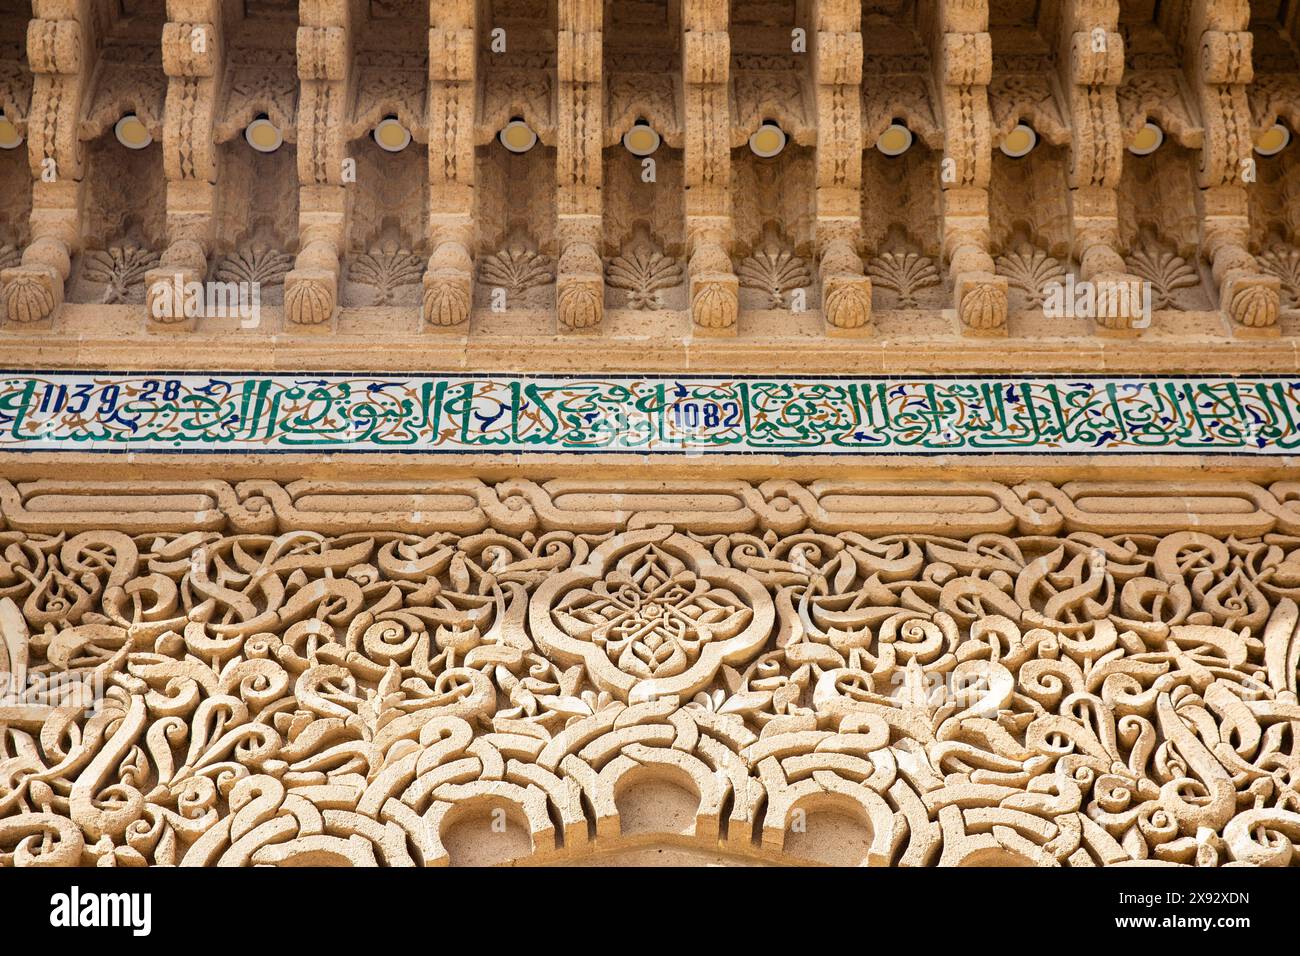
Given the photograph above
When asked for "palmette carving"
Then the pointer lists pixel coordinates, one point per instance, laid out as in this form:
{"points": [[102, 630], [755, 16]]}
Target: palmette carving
{"points": [[1166, 272], [386, 269], [1077, 698], [1031, 271], [905, 274], [775, 272], [516, 268], [119, 269], [641, 273], [1284, 263]]}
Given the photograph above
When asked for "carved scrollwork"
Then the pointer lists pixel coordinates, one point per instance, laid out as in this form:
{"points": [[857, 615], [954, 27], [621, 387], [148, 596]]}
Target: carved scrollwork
{"points": [[201, 698]]}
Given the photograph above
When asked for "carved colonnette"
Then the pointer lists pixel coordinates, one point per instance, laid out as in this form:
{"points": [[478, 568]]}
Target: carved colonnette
{"points": [[453, 53], [706, 68], [962, 57], [1216, 50], [327, 83], [579, 281], [342, 672], [193, 48], [60, 43], [837, 70], [1091, 61]]}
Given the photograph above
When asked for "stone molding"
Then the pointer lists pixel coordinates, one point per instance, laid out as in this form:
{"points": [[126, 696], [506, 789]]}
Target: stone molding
{"points": [[598, 505]]}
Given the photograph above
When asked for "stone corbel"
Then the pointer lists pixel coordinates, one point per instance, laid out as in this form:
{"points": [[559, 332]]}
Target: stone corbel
{"points": [[1122, 305], [311, 287], [1248, 299], [192, 55], [980, 294], [1217, 61], [449, 278], [1092, 62], [837, 69], [579, 280], [963, 58], [714, 286], [324, 47], [60, 52], [706, 57], [846, 291]]}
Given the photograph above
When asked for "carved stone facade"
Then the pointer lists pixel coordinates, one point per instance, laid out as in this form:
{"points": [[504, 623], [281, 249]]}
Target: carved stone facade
{"points": [[894, 556], [361, 673], [833, 225]]}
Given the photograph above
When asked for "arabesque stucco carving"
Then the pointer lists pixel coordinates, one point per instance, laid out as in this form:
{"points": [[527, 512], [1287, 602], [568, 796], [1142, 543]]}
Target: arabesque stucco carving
{"points": [[363, 673]]}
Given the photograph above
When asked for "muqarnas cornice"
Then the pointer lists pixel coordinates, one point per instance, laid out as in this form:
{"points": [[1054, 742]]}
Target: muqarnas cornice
{"points": [[578, 231]]}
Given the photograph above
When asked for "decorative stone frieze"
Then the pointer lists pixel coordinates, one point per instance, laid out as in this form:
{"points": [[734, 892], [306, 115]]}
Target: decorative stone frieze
{"points": [[837, 432], [254, 683]]}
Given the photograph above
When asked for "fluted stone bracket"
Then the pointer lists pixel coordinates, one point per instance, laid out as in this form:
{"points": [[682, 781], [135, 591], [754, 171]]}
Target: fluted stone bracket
{"points": [[714, 293], [448, 289], [981, 299], [184, 262], [311, 288], [845, 290], [1123, 304], [580, 284], [31, 294], [714, 288], [32, 291], [164, 304], [1251, 303], [580, 279], [1249, 300]]}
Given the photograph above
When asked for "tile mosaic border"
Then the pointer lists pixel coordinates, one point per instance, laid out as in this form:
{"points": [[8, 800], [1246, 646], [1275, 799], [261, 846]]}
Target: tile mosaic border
{"points": [[488, 413]]}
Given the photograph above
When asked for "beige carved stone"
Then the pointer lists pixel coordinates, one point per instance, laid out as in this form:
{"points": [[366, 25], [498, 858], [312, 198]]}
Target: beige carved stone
{"points": [[1072, 684], [255, 659], [1086, 77]]}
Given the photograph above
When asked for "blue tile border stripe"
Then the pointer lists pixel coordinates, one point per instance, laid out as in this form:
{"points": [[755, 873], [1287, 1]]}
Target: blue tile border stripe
{"points": [[488, 413]]}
